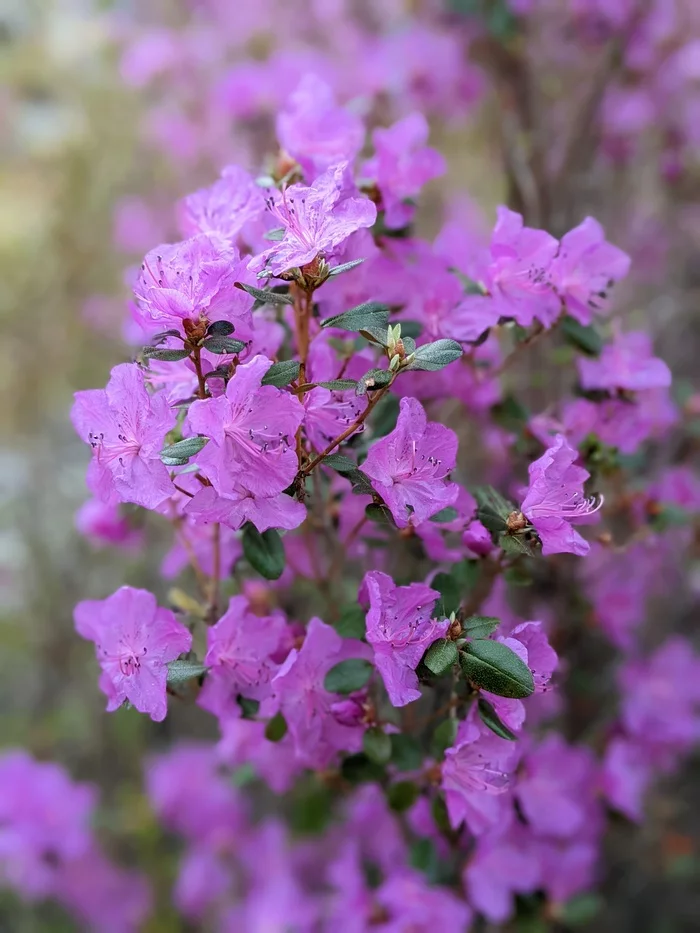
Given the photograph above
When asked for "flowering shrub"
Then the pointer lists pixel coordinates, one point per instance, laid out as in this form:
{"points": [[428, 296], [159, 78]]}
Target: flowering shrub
{"points": [[374, 597]]}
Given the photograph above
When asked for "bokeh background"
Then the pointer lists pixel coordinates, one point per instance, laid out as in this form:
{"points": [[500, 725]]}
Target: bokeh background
{"points": [[80, 142]]}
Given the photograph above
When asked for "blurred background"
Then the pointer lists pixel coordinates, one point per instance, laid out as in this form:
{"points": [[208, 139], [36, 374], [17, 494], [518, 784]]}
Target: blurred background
{"points": [[111, 111]]}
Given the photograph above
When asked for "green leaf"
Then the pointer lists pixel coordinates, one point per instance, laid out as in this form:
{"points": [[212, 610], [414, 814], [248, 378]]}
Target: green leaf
{"points": [[358, 768], [165, 356], [584, 338], [376, 744], [433, 356], [406, 753], [276, 728], [517, 576], [275, 235], [480, 626], [448, 514], [184, 449], [385, 415], [221, 345], [670, 516], [374, 379], [379, 514], [346, 266], [423, 856], [249, 708], [440, 656], [368, 314], [340, 463], [490, 718], [582, 909], [265, 295], [411, 329], [375, 334], [520, 544], [444, 736], [494, 667], [351, 623], [361, 485], [281, 374], [338, 385], [440, 814], [449, 589], [492, 509], [220, 329], [510, 414], [348, 676], [402, 795], [263, 551], [179, 672]]}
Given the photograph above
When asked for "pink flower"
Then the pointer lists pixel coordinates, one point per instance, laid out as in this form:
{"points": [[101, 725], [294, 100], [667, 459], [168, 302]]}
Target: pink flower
{"points": [[223, 208], [626, 774], [627, 363], [315, 131], [415, 905], [241, 504], [315, 220], [555, 500], [409, 467], [134, 640], [193, 281], [103, 524], [400, 630], [501, 867], [240, 649], [402, 165], [585, 269], [306, 704], [126, 428]]}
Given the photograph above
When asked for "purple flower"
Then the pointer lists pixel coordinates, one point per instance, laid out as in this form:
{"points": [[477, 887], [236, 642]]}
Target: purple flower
{"points": [[400, 630], [328, 414], [540, 657], [518, 277], [627, 363], [126, 428], [501, 867], [251, 430], [585, 269], [44, 822], [315, 220], [102, 523], [243, 742], [223, 208], [556, 790], [193, 281], [306, 704], [402, 165], [477, 778], [242, 504], [555, 499], [239, 656], [315, 131], [625, 776], [134, 640], [408, 467], [104, 897], [414, 906]]}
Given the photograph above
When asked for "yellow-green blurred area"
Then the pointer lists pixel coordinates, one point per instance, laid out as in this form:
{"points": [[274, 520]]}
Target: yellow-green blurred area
{"points": [[69, 149]]}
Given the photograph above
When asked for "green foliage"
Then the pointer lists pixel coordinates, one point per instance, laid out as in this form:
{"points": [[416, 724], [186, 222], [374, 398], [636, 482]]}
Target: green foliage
{"points": [[492, 666], [281, 374], [348, 676], [264, 551]]}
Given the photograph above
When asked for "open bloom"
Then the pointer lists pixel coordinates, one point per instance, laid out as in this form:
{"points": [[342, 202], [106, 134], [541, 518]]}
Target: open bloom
{"points": [[223, 208], [400, 629], [626, 363], [409, 467], [126, 428], [315, 219], [555, 499], [134, 640]]}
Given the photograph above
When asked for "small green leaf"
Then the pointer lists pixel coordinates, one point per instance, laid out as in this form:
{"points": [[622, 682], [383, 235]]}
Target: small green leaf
{"points": [[402, 795], [490, 718], [494, 667], [411, 329], [520, 544], [374, 379], [376, 744], [434, 356], [348, 676], [249, 708], [584, 338], [281, 374], [379, 514], [345, 267], [582, 909], [221, 345], [276, 728], [440, 814], [275, 235], [265, 296], [423, 856], [184, 449], [351, 623], [449, 589], [448, 514], [340, 463], [179, 672], [406, 753], [517, 576], [338, 385], [358, 768], [165, 356], [385, 415], [492, 509], [370, 314], [263, 551], [440, 656], [480, 626], [375, 334], [444, 736], [361, 485], [220, 329]]}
